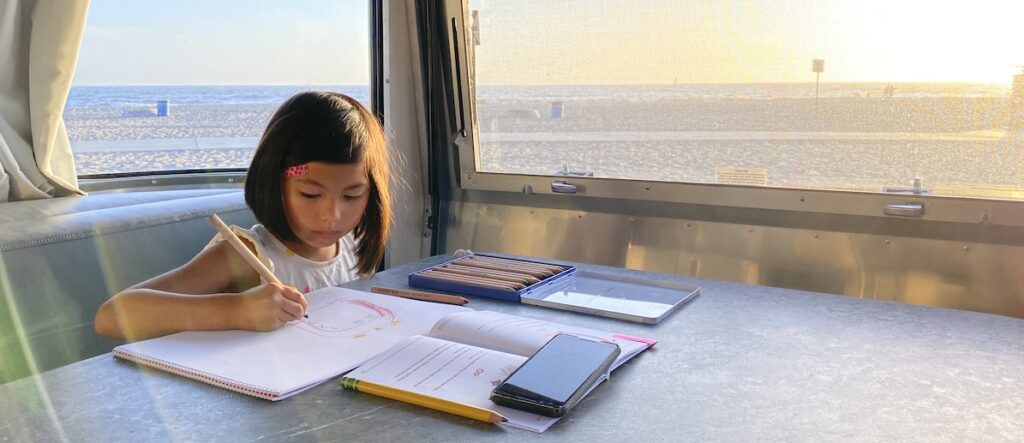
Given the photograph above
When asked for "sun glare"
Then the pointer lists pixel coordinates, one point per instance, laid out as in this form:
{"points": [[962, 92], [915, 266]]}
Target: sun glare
{"points": [[754, 42], [927, 41]]}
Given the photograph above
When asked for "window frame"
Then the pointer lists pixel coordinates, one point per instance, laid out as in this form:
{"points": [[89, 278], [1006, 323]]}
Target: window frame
{"points": [[950, 209], [235, 177]]}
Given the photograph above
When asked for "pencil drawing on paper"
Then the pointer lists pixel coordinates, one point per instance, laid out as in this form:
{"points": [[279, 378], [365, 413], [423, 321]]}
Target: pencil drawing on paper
{"points": [[352, 318]]}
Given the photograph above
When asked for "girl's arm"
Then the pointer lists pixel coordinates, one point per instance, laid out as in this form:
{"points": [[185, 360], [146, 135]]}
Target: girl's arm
{"points": [[216, 290]]}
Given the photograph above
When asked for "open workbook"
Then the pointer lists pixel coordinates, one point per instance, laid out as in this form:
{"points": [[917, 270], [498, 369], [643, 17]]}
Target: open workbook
{"points": [[345, 329], [466, 354]]}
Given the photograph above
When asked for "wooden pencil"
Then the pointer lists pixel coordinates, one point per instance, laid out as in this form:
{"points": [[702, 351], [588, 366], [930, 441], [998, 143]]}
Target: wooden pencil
{"points": [[510, 261], [244, 251], [456, 271], [527, 278], [515, 264], [519, 263], [476, 279], [535, 273], [420, 295], [452, 279], [416, 398]]}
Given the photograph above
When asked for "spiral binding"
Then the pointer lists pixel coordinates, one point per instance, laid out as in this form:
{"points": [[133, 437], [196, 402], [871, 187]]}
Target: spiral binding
{"points": [[244, 388]]}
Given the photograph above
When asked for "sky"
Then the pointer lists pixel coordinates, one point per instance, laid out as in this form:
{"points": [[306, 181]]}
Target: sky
{"points": [[215, 42], [309, 42], [736, 41]]}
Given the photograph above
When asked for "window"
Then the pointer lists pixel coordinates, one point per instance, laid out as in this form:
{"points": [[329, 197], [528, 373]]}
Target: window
{"points": [[908, 97], [186, 85]]}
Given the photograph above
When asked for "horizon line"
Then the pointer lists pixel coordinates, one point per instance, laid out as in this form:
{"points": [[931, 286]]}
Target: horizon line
{"points": [[217, 84], [930, 82]]}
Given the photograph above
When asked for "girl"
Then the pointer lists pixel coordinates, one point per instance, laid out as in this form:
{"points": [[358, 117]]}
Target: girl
{"points": [[318, 186]]}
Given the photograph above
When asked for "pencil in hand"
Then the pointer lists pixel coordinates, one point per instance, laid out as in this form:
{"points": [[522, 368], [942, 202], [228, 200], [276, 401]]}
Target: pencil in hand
{"points": [[244, 251]]}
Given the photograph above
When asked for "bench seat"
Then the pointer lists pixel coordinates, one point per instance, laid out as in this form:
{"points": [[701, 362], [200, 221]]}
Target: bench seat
{"points": [[61, 258]]}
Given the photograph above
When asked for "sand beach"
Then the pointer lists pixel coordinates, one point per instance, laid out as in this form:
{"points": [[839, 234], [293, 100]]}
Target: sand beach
{"points": [[109, 139], [966, 144]]}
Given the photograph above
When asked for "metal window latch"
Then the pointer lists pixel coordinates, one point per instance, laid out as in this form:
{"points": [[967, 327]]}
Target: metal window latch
{"points": [[561, 187], [565, 172], [916, 189], [904, 210]]}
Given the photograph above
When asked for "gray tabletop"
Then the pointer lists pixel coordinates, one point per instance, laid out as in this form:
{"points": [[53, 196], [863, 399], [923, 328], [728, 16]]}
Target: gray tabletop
{"points": [[738, 363]]}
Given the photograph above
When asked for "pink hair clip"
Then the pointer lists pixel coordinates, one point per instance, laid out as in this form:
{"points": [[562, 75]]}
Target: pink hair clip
{"points": [[295, 171]]}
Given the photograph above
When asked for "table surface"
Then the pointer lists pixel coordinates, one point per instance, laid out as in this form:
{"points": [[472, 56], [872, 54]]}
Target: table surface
{"points": [[738, 362]]}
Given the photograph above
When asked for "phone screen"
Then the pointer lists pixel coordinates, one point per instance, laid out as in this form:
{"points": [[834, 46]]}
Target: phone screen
{"points": [[558, 371]]}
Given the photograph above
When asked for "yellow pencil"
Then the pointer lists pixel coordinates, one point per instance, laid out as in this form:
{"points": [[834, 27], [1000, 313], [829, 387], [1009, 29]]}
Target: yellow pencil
{"points": [[451, 407]]}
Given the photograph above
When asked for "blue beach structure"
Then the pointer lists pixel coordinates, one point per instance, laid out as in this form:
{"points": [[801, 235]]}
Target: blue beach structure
{"points": [[162, 108], [556, 109]]}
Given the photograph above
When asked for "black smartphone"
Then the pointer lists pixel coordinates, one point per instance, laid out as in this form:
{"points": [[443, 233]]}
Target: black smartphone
{"points": [[555, 378]]}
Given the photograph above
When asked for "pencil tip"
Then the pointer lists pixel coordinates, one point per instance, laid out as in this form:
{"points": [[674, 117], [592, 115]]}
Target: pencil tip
{"points": [[306, 316], [503, 419]]}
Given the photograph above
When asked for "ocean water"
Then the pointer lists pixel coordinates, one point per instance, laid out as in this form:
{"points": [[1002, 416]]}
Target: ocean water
{"points": [[655, 93], [147, 95]]}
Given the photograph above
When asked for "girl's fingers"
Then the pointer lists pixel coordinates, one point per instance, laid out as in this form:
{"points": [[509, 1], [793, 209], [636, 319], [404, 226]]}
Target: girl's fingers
{"points": [[294, 295], [292, 310], [283, 319]]}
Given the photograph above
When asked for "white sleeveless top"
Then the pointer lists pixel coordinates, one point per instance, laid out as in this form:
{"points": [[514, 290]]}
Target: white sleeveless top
{"points": [[295, 270]]}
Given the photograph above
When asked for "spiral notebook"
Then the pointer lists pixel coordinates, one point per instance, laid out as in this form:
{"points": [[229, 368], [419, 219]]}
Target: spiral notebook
{"points": [[345, 328]]}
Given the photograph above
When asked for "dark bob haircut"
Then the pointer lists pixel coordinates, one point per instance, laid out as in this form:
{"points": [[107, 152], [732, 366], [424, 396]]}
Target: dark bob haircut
{"points": [[326, 127]]}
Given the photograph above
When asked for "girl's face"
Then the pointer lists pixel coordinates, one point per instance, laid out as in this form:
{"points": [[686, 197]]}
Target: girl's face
{"points": [[323, 205]]}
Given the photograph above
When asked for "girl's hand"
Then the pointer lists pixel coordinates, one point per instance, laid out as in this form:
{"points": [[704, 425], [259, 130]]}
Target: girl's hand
{"points": [[269, 306]]}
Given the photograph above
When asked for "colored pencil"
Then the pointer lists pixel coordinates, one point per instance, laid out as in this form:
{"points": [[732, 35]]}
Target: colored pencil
{"points": [[242, 250], [452, 278], [473, 279], [500, 267], [420, 295], [526, 278], [518, 263], [467, 271]]}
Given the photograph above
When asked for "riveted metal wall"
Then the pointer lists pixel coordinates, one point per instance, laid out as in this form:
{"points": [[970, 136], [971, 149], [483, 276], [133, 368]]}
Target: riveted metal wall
{"points": [[765, 249]]}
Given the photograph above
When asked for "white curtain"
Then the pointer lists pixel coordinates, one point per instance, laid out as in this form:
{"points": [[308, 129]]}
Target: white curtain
{"points": [[39, 41]]}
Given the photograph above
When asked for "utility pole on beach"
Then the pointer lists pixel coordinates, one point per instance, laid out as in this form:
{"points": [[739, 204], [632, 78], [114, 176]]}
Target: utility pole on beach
{"points": [[1017, 100], [818, 66]]}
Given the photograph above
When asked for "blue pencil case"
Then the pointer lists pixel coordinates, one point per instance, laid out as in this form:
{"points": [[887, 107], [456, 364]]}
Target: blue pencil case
{"points": [[492, 276]]}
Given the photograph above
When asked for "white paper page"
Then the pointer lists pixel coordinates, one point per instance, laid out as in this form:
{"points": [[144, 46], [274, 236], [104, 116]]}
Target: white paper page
{"points": [[344, 329], [451, 371], [519, 335]]}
